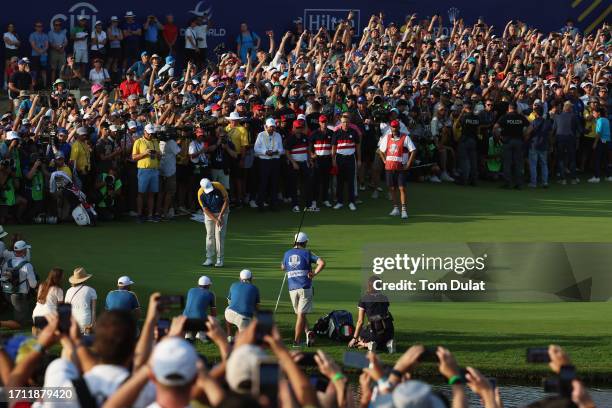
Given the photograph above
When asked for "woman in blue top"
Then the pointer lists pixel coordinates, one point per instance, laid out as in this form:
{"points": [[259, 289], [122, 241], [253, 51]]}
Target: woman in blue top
{"points": [[602, 145], [247, 41]]}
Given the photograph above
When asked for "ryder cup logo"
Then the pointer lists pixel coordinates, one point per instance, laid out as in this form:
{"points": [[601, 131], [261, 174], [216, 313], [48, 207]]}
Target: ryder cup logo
{"points": [[200, 11], [453, 14], [294, 260], [76, 12]]}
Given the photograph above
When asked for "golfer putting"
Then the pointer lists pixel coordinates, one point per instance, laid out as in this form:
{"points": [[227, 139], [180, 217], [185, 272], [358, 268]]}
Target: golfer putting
{"points": [[297, 264], [214, 201]]}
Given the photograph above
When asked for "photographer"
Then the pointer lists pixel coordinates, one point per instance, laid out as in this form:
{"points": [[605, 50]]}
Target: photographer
{"points": [[146, 152], [34, 187], [11, 204], [108, 190], [167, 171], [223, 151], [198, 150]]}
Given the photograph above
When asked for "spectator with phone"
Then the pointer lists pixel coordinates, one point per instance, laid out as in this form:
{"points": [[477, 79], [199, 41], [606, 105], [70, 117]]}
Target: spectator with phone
{"points": [[146, 153], [379, 330], [83, 300], [50, 293], [123, 298], [243, 301], [197, 305]]}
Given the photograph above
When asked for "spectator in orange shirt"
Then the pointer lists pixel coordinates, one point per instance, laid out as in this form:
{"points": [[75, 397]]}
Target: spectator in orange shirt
{"points": [[170, 34], [130, 86]]}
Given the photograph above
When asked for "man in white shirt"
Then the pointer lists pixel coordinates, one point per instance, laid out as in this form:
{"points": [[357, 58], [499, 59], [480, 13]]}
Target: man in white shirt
{"points": [[198, 157], [268, 147], [201, 32], [17, 279], [167, 171]]}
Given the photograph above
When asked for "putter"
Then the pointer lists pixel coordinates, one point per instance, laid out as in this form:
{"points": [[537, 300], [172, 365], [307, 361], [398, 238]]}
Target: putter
{"points": [[280, 292]]}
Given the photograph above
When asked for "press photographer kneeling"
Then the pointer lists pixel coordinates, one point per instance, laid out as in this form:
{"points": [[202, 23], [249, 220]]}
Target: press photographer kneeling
{"points": [[108, 189], [379, 331]]}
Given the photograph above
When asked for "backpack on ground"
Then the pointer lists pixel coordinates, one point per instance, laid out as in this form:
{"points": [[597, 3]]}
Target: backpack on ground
{"points": [[10, 278], [337, 325]]}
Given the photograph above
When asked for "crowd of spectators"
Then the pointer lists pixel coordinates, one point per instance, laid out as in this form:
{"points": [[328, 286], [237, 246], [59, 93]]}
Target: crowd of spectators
{"points": [[299, 119]]}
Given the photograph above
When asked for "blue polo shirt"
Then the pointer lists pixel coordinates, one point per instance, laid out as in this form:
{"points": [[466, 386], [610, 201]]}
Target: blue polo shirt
{"points": [[121, 299], [297, 263], [243, 296], [197, 303]]}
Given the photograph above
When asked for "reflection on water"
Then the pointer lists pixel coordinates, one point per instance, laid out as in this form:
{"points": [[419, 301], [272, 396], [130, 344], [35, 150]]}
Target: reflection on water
{"points": [[516, 396]]}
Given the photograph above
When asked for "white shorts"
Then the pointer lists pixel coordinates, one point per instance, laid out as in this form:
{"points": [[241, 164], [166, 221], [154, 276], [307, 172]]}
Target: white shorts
{"points": [[237, 319], [301, 299], [81, 56]]}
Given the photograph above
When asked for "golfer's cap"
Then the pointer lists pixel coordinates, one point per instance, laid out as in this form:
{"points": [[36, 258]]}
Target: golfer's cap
{"points": [[241, 365], [245, 274], [174, 362], [150, 129], [21, 246], [270, 122], [301, 237], [206, 185], [204, 281], [124, 281], [131, 124]]}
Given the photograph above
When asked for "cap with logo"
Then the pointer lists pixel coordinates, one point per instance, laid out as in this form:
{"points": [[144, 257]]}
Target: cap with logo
{"points": [[124, 281], [206, 185], [204, 281], [245, 274], [173, 362]]}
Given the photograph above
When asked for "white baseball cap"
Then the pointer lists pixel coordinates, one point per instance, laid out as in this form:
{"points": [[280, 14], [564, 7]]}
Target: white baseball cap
{"points": [[240, 102], [84, 98], [3, 233], [174, 362], [241, 366], [204, 281], [301, 116], [150, 129], [113, 128], [82, 131], [270, 122], [12, 135], [131, 124], [245, 274], [21, 246], [234, 116], [124, 281], [301, 237], [206, 185], [410, 394]]}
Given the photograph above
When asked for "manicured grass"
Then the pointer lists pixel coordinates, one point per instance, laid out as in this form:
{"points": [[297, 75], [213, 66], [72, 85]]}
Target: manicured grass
{"points": [[492, 336]]}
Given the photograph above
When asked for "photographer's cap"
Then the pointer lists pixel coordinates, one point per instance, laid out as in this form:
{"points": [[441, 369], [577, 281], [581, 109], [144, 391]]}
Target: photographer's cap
{"points": [[301, 237], [150, 129], [204, 281], [21, 246], [124, 281], [174, 362], [270, 122], [245, 274], [206, 185]]}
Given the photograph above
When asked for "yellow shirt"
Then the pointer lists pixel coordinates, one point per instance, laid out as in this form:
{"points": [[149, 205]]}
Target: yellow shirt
{"points": [[143, 145], [66, 170], [589, 124], [239, 136], [81, 156]]}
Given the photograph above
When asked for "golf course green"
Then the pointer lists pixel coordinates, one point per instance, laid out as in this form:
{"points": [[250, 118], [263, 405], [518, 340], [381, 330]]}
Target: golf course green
{"points": [[166, 257]]}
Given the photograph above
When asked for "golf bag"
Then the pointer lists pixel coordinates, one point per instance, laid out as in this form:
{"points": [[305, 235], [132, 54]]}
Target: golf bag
{"points": [[337, 325]]}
